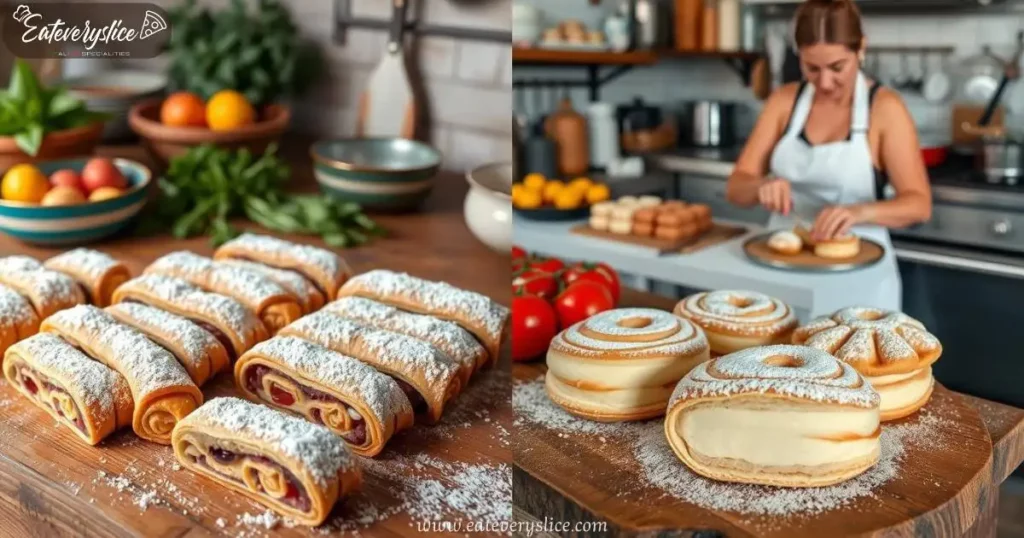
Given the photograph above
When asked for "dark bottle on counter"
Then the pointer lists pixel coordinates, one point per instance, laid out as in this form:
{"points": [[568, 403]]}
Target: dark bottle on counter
{"points": [[540, 155]]}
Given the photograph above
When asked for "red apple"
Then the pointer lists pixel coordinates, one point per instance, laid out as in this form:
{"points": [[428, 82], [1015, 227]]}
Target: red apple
{"points": [[67, 178], [100, 172]]}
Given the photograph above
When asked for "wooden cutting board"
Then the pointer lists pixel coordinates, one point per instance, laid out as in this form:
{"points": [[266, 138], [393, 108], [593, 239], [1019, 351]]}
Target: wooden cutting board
{"points": [[805, 260], [717, 234], [388, 108]]}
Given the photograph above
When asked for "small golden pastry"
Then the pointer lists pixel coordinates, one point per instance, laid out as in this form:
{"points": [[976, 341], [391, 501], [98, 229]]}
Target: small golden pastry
{"points": [[270, 302], [621, 227], [599, 223], [646, 215], [97, 273], [18, 320], [671, 233], [476, 313], [595, 37], [837, 248], [673, 205], [429, 378], [702, 212], [309, 297], [622, 364], [294, 467], [352, 399], [325, 269], [643, 229], [892, 350], [161, 388], [196, 348], [453, 340], [785, 242], [649, 201], [229, 321], [48, 291], [784, 415], [735, 319], [87, 396], [602, 209], [627, 200], [624, 212]]}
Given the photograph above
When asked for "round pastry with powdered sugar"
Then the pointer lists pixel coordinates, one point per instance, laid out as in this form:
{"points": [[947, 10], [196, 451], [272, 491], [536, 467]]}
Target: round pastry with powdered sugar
{"points": [[780, 415], [622, 364], [738, 319], [892, 350]]}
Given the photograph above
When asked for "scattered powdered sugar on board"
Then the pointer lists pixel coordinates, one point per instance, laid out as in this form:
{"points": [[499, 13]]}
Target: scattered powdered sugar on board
{"points": [[531, 403], [268, 520], [488, 392]]}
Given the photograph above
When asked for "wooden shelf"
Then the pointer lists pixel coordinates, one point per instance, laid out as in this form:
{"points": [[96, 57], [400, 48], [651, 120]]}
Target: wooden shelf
{"points": [[534, 56]]}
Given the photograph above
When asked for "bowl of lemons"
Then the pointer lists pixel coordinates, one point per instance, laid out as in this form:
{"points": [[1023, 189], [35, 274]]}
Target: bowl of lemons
{"points": [[539, 198]]}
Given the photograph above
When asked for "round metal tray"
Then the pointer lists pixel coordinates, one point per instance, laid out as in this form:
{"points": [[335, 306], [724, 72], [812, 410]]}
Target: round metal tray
{"points": [[871, 252]]}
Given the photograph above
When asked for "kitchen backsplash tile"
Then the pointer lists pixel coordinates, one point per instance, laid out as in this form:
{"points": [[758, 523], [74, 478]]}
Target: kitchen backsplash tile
{"points": [[481, 62]]}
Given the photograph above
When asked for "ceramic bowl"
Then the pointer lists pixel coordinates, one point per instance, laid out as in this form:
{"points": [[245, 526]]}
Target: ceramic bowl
{"points": [[392, 174], [164, 142], [114, 92], [76, 224], [488, 205], [56, 145]]}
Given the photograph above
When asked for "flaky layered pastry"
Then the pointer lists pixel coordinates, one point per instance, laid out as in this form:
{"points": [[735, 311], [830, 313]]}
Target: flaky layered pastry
{"points": [[453, 340], [429, 378], [237, 328], [352, 399], [309, 297], [85, 395], [323, 268], [779, 415], [196, 348], [892, 350], [97, 273], [472, 311], [737, 319], [293, 467], [161, 388], [48, 291], [622, 364], [274, 305], [18, 320]]}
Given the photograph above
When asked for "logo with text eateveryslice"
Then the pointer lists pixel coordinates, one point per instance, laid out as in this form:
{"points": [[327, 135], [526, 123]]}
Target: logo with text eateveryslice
{"points": [[73, 30]]}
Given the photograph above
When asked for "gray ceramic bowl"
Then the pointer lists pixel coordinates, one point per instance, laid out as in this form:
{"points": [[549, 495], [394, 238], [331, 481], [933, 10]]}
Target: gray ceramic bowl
{"points": [[114, 92], [378, 173]]}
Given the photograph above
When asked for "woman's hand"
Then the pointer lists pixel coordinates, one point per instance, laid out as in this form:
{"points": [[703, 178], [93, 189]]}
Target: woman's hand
{"points": [[774, 195], [836, 221]]}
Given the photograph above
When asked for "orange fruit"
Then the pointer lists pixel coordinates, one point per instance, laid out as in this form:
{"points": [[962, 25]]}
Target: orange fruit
{"points": [[598, 193], [569, 199], [535, 181], [104, 193], [24, 183], [551, 190], [183, 109], [227, 110], [581, 184], [530, 199]]}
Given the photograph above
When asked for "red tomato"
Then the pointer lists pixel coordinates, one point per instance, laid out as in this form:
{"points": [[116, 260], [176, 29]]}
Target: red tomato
{"points": [[599, 273], [581, 300], [518, 252], [534, 324], [551, 265], [533, 281]]}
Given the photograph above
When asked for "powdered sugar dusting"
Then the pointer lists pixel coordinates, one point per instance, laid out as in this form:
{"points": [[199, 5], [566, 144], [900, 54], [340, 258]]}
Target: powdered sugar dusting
{"points": [[90, 264], [295, 283], [602, 335], [193, 340], [313, 446], [19, 263], [738, 310], [252, 289], [345, 374], [15, 310], [47, 290], [871, 336], [332, 268]]}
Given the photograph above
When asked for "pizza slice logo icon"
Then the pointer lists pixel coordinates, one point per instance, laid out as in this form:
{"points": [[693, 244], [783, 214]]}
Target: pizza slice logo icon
{"points": [[152, 24]]}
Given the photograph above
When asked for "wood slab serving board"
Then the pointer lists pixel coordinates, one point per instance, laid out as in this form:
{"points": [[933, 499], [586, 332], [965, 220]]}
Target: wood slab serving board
{"points": [[717, 234], [805, 260]]}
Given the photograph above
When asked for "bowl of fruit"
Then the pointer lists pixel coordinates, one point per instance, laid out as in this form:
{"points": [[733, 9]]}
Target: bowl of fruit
{"points": [[540, 198], [71, 201], [183, 120]]}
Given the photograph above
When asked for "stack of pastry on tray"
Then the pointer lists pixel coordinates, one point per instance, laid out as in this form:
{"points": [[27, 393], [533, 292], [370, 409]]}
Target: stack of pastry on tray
{"points": [[354, 361], [649, 216]]}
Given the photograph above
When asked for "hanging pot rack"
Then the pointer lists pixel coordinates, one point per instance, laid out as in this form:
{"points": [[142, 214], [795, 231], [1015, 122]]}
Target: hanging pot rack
{"points": [[345, 20]]}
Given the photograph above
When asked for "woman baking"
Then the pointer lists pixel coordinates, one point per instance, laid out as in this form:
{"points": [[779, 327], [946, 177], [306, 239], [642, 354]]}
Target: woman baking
{"points": [[823, 149]]}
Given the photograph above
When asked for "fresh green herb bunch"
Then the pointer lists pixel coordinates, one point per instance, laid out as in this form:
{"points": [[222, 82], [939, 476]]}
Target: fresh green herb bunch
{"points": [[259, 54], [207, 186], [28, 110]]}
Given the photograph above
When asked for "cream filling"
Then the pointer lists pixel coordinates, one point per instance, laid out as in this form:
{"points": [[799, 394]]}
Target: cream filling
{"points": [[782, 436], [724, 344], [897, 392], [629, 373], [623, 401]]}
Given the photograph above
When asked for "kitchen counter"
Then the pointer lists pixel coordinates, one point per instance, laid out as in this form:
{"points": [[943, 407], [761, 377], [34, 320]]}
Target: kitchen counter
{"points": [[704, 161]]}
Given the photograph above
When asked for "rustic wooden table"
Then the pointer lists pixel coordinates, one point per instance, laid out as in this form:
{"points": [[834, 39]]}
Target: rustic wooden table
{"points": [[53, 485], [947, 489]]}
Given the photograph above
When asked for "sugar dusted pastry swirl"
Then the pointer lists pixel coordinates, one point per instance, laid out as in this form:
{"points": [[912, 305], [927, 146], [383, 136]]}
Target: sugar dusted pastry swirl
{"points": [[323, 268], [736, 319], [48, 291], [18, 320], [622, 364], [779, 415], [97, 273], [892, 350]]}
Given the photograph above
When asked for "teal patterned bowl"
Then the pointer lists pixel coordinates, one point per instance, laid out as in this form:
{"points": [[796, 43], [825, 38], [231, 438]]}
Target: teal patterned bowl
{"points": [[81, 223], [391, 174]]}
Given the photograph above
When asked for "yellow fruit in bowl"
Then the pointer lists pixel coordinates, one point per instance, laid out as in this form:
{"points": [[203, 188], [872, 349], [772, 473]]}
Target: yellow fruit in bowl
{"points": [[535, 181], [530, 199], [104, 193], [581, 184], [228, 110], [517, 192], [598, 193], [63, 195], [24, 183], [551, 190], [569, 199]]}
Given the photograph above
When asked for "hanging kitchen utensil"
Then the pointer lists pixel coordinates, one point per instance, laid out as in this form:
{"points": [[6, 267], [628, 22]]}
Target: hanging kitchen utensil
{"points": [[1011, 71], [388, 107]]}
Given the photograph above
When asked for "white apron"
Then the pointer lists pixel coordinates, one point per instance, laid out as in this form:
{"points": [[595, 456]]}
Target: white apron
{"points": [[836, 173]]}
